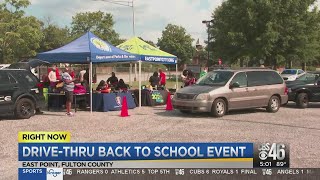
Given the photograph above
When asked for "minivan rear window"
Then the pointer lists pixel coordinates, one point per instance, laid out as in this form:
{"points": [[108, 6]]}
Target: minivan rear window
{"points": [[261, 78]]}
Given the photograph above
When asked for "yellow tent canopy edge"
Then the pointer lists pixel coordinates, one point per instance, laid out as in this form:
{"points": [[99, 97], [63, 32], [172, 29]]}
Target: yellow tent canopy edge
{"points": [[137, 46]]}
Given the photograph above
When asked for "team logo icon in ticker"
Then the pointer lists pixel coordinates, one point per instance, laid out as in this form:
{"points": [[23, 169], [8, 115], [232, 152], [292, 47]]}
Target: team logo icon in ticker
{"points": [[179, 172], [267, 172]]}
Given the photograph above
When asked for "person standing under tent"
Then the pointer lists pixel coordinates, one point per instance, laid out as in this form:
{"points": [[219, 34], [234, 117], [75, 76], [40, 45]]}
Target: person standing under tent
{"points": [[154, 80], [52, 76], [162, 78], [86, 82], [72, 73], [113, 80], [81, 75], [68, 86], [56, 71]]}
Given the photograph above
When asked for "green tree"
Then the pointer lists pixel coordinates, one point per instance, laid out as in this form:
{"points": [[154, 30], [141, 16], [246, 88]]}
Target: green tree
{"points": [[54, 37], [20, 35], [175, 40], [99, 23], [277, 32]]}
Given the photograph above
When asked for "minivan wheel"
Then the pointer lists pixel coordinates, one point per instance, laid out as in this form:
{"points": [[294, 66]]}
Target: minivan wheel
{"points": [[24, 109], [219, 108], [274, 104], [302, 100]]}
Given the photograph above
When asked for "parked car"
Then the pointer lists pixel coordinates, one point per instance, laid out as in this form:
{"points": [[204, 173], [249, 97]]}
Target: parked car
{"points": [[309, 78], [223, 90], [19, 93], [29, 65], [2, 66], [291, 74], [302, 94]]}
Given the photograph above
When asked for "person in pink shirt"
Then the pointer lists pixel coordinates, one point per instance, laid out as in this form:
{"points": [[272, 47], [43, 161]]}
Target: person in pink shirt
{"points": [[162, 78]]}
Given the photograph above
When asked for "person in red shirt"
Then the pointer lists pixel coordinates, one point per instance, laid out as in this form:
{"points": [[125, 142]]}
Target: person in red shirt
{"points": [[162, 78], [58, 74]]}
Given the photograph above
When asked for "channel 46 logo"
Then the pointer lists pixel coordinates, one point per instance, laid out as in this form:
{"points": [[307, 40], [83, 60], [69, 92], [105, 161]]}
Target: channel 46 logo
{"points": [[272, 155], [274, 151]]}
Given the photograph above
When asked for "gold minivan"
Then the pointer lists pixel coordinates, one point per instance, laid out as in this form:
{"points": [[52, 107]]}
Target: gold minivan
{"points": [[223, 90]]}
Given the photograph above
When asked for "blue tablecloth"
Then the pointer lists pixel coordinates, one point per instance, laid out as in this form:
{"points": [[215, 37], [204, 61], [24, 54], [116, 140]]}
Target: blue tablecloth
{"points": [[111, 101]]}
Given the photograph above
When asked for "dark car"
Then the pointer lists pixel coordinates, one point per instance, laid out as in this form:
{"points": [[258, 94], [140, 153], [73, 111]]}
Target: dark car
{"points": [[309, 78], [305, 91], [19, 93], [29, 65]]}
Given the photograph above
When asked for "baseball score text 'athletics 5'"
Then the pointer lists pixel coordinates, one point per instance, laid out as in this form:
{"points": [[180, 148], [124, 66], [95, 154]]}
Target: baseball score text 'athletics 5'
{"points": [[41, 159]]}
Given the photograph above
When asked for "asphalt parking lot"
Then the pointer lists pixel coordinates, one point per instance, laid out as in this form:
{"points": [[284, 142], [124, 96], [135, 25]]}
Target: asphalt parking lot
{"points": [[300, 128]]}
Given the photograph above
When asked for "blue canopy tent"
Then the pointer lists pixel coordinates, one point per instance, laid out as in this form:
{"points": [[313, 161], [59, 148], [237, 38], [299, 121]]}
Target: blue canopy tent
{"points": [[88, 49]]}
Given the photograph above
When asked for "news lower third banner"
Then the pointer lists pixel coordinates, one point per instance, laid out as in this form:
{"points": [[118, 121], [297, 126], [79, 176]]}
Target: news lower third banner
{"points": [[136, 155], [50, 155]]}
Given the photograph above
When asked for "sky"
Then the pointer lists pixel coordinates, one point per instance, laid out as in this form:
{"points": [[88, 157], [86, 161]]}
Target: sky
{"points": [[151, 16]]}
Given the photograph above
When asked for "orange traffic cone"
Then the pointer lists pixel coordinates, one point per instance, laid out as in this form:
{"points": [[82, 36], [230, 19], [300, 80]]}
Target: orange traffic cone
{"points": [[169, 104], [124, 108]]}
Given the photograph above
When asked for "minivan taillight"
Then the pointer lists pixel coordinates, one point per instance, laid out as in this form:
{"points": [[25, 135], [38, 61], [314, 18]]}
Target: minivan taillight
{"points": [[286, 91]]}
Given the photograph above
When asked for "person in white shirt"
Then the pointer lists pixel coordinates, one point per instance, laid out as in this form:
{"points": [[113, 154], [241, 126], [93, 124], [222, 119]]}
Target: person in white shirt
{"points": [[52, 76], [81, 74]]}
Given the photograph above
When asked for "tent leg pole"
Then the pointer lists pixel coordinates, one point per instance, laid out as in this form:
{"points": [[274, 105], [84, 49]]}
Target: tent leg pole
{"points": [[130, 72], [135, 71], [177, 86], [139, 84], [90, 79]]}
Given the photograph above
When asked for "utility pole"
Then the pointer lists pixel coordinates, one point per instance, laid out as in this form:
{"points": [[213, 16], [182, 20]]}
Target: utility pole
{"points": [[208, 23]]}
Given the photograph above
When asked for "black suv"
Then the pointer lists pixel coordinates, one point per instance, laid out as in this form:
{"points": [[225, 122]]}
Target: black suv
{"points": [[302, 94], [19, 93]]}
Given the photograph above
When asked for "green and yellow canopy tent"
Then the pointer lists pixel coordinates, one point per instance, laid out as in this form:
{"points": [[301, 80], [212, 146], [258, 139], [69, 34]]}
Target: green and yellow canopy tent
{"points": [[148, 53]]}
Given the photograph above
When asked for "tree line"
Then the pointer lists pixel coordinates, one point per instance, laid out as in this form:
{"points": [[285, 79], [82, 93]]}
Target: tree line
{"points": [[248, 32], [270, 32], [22, 36]]}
